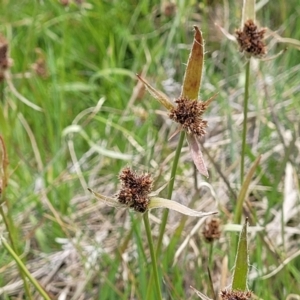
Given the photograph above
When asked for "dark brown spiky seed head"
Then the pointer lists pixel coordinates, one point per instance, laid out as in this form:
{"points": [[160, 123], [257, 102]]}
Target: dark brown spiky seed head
{"points": [[188, 114], [250, 39], [135, 189], [4, 62], [212, 230], [235, 295]]}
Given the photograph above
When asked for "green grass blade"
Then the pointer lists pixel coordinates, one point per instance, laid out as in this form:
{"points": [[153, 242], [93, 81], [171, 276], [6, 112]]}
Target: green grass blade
{"points": [[239, 281], [243, 192]]}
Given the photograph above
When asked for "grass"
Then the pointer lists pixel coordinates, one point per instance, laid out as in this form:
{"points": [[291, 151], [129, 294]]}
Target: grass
{"points": [[96, 119]]}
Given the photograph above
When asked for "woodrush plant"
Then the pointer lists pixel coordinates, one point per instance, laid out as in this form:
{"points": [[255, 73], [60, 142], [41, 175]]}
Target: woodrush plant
{"points": [[187, 111], [49, 154]]}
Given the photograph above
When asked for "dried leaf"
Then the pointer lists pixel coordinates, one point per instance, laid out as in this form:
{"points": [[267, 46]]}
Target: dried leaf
{"points": [[107, 200], [155, 193], [229, 36], [211, 99], [202, 296], [197, 154], [162, 99], [289, 41], [157, 202]]}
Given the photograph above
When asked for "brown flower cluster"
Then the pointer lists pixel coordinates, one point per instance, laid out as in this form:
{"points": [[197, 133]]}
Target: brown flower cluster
{"points": [[250, 39], [188, 113], [135, 190], [235, 295], [4, 61], [212, 230]]}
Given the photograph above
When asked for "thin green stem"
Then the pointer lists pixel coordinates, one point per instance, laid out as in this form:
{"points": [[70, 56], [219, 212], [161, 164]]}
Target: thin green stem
{"points": [[211, 248], [166, 212], [246, 97], [152, 252], [10, 231], [24, 269], [170, 191]]}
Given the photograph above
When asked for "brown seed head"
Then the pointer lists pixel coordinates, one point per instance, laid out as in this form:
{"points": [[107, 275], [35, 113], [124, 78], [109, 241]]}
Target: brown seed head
{"points": [[250, 39], [135, 190], [212, 230], [4, 62], [235, 295], [188, 113]]}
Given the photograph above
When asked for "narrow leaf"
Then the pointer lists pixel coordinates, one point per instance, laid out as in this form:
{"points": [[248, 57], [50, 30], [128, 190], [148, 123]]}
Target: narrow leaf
{"points": [[107, 200], [155, 193], [289, 41], [240, 275], [159, 96], [193, 72], [197, 154], [211, 99], [157, 202], [248, 11], [243, 192], [202, 296]]}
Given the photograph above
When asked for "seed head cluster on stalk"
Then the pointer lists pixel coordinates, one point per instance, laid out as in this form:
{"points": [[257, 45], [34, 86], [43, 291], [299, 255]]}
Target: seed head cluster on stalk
{"points": [[188, 110], [136, 189], [250, 39], [136, 193]]}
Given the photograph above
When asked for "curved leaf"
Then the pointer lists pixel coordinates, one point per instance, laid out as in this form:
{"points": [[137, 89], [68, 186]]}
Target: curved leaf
{"points": [[107, 200], [156, 202], [197, 154], [159, 96], [193, 73]]}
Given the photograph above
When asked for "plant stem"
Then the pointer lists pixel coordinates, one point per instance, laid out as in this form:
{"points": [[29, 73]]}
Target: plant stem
{"points": [[170, 191], [7, 219], [210, 256], [246, 97], [152, 252], [166, 212], [24, 269], [10, 231]]}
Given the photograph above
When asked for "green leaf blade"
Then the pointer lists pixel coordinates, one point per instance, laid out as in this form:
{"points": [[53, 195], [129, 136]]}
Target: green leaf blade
{"points": [[240, 275]]}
